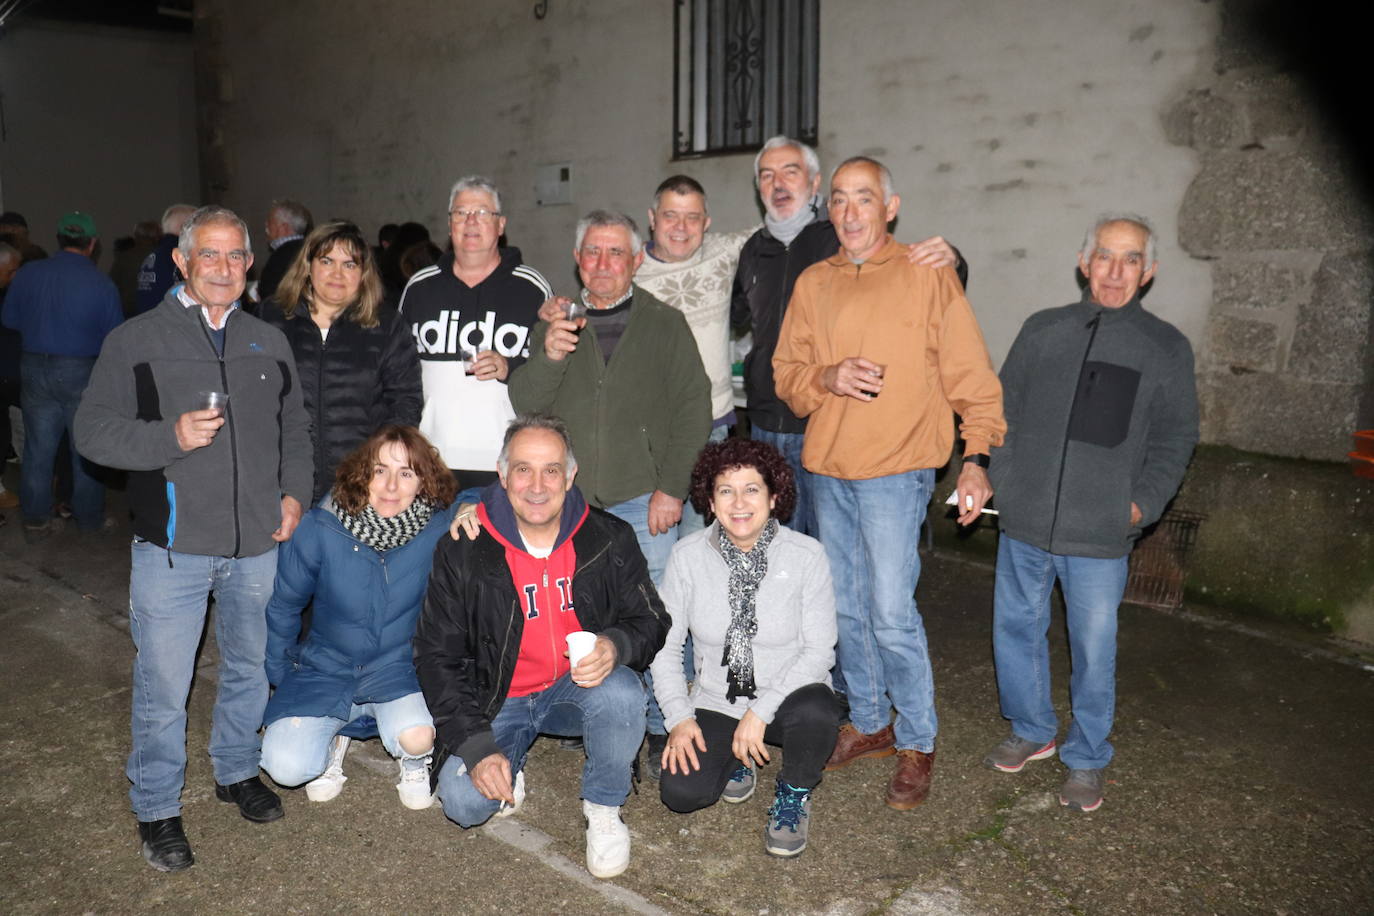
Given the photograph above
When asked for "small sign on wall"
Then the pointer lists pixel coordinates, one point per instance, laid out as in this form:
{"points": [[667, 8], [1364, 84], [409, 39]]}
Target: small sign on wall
{"points": [[553, 184]]}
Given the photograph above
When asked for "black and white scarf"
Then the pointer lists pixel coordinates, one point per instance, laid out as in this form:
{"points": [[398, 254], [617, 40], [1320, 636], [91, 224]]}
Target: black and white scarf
{"points": [[382, 534], [747, 570]]}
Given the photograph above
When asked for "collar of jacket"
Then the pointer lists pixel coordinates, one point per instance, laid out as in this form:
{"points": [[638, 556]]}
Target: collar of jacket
{"points": [[1127, 312], [883, 255]]}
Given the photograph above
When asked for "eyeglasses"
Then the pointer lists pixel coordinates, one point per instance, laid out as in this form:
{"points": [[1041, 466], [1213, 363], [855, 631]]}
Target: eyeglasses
{"points": [[481, 214]]}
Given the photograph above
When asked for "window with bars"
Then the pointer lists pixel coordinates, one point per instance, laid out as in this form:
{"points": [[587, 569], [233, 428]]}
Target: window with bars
{"points": [[744, 71]]}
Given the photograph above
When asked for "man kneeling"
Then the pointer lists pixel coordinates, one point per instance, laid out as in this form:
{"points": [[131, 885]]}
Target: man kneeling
{"points": [[489, 648]]}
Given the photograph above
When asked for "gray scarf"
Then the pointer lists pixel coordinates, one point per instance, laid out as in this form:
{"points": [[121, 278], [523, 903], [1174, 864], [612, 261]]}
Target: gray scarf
{"points": [[788, 229], [746, 572]]}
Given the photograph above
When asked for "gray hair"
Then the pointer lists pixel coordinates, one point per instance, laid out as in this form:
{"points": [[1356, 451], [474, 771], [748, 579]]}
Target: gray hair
{"points": [[9, 253], [475, 183], [608, 218], [205, 216], [293, 213], [884, 173], [175, 216], [1106, 219], [813, 162], [537, 421]]}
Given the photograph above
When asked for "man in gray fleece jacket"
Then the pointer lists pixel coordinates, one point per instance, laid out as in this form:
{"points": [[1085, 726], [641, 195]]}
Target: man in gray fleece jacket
{"points": [[1102, 417], [212, 492]]}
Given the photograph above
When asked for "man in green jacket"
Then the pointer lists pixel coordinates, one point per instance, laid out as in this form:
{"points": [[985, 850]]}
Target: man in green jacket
{"points": [[625, 375]]}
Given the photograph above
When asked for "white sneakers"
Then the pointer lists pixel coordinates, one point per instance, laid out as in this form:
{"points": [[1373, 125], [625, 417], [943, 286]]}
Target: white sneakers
{"points": [[608, 840], [328, 785], [519, 792], [413, 786]]}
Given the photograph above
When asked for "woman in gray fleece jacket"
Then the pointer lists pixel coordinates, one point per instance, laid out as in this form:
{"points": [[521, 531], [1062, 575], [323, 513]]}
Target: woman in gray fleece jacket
{"points": [[757, 601]]}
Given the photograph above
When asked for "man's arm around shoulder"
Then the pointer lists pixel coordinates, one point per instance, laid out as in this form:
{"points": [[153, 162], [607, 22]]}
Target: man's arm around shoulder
{"points": [[637, 622]]}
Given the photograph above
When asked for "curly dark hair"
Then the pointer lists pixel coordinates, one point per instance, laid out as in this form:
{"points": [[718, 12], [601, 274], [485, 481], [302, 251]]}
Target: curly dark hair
{"points": [[354, 476], [718, 457]]}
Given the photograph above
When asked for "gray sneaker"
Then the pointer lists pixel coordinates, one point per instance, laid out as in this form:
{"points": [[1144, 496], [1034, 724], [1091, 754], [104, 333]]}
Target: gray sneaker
{"points": [[1082, 790], [741, 785], [1014, 753], [789, 819]]}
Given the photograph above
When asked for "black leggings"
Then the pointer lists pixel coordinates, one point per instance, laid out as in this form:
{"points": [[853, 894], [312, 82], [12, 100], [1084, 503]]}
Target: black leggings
{"points": [[805, 728]]}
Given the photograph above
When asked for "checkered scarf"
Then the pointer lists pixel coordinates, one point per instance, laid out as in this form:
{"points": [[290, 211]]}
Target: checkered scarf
{"points": [[747, 570], [382, 534]]}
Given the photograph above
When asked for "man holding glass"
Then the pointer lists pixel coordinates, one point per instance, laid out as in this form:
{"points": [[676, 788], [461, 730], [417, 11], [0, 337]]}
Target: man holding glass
{"points": [[862, 323], [215, 484]]}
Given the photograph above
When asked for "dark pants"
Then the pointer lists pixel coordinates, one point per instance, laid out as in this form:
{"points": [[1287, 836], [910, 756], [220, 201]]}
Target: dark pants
{"points": [[805, 728]]}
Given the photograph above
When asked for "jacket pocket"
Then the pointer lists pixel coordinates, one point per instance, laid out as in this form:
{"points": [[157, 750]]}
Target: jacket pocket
{"points": [[1103, 404]]}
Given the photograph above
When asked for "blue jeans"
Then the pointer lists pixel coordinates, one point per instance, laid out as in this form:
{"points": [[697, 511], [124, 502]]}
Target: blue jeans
{"points": [[1020, 620], [692, 520], [804, 517], [871, 531], [656, 549], [167, 603], [52, 388], [609, 717], [295, 749]]}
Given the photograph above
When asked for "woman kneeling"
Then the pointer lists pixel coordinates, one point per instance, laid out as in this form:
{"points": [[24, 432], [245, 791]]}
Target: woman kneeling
{"points": [[363, 556], [757, 602]]}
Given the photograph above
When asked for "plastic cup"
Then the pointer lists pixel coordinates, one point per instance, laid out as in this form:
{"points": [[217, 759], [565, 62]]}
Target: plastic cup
{"points": [[576, 309], [579, 644], [213, 400], [468, 357]]}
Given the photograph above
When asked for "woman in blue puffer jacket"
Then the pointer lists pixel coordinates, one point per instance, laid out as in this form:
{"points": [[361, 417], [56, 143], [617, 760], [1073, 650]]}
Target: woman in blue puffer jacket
{"points": [[363, 555]]}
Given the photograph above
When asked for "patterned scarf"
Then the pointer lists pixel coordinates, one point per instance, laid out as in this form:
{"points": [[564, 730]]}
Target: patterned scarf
{"points": [[746, 572], [382, 534]]}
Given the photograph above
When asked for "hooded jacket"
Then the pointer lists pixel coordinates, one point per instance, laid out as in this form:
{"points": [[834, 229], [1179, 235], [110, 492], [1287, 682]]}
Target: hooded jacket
{"points": [[474, 626], [1101, 408], [466, 418]]}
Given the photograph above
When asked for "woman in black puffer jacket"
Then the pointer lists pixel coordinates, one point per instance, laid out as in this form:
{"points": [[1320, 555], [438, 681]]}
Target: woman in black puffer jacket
{"points": [[355, 356]]}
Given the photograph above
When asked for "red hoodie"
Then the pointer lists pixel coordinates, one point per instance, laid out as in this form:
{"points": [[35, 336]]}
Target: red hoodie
{"points": [[544, 588]]}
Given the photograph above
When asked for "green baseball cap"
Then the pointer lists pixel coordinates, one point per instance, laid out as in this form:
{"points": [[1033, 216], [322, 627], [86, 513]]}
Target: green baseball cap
{"points": [[77, 223]]}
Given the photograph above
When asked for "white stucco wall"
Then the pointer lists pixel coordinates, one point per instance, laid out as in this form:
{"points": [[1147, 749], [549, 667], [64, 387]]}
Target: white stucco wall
{"points": [[96, 119], [1009, 125]]}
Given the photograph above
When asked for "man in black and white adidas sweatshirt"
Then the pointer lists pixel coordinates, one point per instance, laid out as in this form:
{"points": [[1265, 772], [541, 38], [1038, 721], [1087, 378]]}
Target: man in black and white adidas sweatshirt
{"points": [[1101, 408], [479, 298]]}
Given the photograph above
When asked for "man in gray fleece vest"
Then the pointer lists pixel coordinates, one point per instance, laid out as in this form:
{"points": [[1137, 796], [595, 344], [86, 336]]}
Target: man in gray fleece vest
{"points": [[1102, 417], [214, 487]]}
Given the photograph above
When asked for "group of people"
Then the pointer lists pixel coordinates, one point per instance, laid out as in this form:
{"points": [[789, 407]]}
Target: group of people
{"points": [[409, 518]]}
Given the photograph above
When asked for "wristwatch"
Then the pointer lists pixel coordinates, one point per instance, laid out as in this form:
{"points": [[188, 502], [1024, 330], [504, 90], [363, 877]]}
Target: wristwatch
{"points": [[978, 459]]}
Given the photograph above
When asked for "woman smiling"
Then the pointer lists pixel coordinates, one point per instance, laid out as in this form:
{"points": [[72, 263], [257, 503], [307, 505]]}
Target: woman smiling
{"points": [[757, 600]]}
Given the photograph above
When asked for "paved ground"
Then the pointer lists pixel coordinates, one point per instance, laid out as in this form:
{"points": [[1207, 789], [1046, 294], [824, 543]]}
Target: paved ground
{"points": [[1241, 785]]}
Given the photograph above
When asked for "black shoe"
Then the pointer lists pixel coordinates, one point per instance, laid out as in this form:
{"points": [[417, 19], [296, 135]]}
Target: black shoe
{"points": [[653, 756], [256, 802], [165, 845]]}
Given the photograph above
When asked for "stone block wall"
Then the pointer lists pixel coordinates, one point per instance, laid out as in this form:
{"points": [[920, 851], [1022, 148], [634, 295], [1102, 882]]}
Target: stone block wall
{"points": [[1278, 210]]}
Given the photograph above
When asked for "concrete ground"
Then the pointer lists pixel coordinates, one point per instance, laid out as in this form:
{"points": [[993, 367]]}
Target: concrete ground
{"points": [[1237, 787]]}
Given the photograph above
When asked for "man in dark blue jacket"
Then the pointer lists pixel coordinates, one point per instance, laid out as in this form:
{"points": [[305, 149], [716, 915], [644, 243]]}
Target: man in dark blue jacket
{"points": [[62, 307], [1102, 417]]}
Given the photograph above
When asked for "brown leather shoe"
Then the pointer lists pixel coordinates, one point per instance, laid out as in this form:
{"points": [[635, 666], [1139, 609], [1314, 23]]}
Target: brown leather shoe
{"points": [[911, 782], [853, 744]]}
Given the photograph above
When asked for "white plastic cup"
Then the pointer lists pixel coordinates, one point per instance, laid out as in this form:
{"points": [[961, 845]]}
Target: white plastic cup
{"points": [[579, 644]]}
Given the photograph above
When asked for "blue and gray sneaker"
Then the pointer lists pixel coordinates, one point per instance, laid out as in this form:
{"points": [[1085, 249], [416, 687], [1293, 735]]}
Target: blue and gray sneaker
{"points": [[789, 818], [741, 785]]}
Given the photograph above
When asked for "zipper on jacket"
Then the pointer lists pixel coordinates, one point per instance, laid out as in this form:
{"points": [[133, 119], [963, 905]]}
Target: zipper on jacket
{"points": [[1064, 452], [228, 424]]}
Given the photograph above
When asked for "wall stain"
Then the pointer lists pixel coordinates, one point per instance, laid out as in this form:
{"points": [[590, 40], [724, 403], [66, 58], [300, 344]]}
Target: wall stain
{"points": [[945, 167], [1142, 32], [1005, 185]]}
